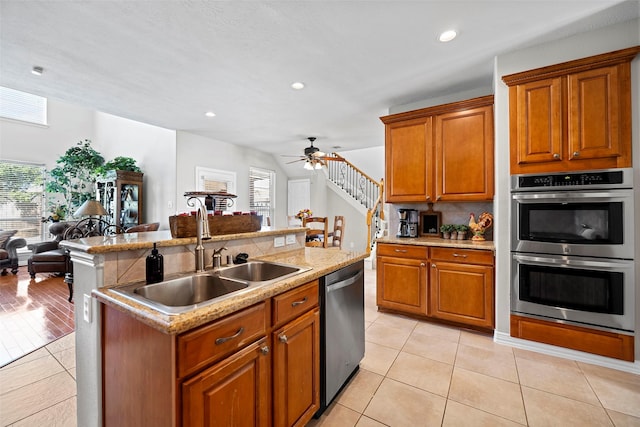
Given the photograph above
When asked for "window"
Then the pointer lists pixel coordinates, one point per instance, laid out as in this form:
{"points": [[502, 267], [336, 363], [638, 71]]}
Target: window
{"points": [[21, 199], [262, 194], [23, 106]]}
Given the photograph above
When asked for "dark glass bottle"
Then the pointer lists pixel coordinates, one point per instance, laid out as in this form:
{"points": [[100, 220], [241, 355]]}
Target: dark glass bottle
{"points": [[155, 266]]}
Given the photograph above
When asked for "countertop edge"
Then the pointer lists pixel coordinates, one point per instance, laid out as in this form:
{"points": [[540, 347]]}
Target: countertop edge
{"points": [[486, 245]]}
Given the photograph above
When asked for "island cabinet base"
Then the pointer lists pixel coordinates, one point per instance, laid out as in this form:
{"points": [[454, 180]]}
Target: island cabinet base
{"points": [[609, 344]]}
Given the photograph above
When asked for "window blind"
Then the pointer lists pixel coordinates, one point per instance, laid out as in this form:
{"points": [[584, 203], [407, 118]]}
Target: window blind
{"points": [[261, 193], [215, 186], [18, 105], [21, 198]]}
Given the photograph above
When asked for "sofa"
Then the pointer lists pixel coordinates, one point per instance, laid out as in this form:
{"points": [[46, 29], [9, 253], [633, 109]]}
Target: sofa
{"points": [[9, 246]]}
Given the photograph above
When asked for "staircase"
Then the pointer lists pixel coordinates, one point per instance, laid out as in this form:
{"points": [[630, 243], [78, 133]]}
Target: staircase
{"points": [[361, 188]]}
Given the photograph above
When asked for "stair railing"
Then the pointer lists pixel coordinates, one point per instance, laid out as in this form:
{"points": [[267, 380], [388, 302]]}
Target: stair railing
{"points": [[362, 188]]}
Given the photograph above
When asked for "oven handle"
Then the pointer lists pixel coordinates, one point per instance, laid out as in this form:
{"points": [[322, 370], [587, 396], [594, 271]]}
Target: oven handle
{"points": [[568, 262], [566, 195]]}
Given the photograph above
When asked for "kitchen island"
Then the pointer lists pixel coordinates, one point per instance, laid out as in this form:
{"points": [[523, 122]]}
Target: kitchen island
{"points": [[104, 263]]}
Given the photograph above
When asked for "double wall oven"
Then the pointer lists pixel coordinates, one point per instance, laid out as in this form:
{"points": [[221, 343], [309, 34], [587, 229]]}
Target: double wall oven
{"points": [[573, 248]]}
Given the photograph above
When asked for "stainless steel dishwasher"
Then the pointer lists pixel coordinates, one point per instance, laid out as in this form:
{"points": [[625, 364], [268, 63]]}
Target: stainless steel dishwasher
{"points": [[341, 330]]}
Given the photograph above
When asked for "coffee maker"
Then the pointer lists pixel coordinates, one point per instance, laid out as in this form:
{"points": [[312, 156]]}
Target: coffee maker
{"points": [[408, 226]]}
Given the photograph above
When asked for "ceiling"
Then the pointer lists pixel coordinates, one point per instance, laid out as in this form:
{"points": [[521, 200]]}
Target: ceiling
{"points": [[166, 63]]}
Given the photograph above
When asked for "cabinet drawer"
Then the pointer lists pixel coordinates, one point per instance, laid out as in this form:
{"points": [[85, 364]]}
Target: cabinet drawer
{"points": [[403, 251], [199, 348], [295, 302], [471, 256]]}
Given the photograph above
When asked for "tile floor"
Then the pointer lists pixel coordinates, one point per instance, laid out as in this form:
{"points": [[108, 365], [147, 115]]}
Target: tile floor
{"points": [[414, 374]]}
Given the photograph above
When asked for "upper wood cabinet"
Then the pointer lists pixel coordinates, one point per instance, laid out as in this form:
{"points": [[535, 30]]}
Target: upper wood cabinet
{"points": [[441, 153], [572, 116]]}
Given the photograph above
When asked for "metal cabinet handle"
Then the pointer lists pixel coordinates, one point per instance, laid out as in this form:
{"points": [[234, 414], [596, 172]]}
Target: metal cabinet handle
{"points": [[401, 250], [434, 266], [296, 303], [264, 350], [458, 255], [225, 339], [556, 155], [576, 154], [283, 338], [422, 264]]}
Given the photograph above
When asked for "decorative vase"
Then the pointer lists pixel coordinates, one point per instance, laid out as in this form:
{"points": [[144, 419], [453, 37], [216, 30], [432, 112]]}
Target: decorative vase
{"points": [[454, 235], [446, 235], [462, 235]]}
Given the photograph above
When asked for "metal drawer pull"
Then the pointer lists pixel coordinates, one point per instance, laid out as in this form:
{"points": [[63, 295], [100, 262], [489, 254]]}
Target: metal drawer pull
{"points": [[401, 250], [556, 155], [458, 255], [225, 339], [302, 301], [576, 154], [283, 338], [265, 350], [434, 266]]}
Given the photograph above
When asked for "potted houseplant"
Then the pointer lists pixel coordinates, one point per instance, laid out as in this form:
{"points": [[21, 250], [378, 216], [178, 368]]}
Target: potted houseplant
{"points": [[462, 231], [446, 230], [120, 163]]}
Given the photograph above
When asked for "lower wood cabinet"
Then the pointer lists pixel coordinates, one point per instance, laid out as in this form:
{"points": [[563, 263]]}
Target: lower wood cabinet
{"points": [[255, 367], [455, 285]]}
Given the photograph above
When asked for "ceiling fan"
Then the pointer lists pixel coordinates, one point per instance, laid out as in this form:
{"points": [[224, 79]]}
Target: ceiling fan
{"points": [[313, 158]]}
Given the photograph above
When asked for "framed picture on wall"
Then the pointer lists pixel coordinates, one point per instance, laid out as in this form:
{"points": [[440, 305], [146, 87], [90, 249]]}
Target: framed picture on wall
{"points": [[430, 221]]}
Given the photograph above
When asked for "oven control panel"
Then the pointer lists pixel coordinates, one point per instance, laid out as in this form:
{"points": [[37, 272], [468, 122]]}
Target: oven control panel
{"points": [[618, 178]]}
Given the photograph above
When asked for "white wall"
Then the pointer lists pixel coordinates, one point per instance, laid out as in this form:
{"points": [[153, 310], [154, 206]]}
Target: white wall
{"points": [[595, 42], [154, 149], [194, 150]]}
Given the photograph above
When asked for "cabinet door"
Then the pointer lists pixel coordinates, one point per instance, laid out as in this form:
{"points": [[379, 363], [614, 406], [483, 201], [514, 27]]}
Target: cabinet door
{"points": [[296, 371], [594, 114], [464, 155], [536, 120], [462, 293], [402, 284], [233, 392], [408, 153]]}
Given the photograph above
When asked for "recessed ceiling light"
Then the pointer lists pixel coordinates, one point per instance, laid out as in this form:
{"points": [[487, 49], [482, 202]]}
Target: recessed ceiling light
{"points": [[447, 36], [297, 85], [210, 114], [37, 70]]}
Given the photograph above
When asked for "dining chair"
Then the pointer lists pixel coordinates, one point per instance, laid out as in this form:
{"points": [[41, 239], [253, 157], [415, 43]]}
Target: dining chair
{"points": [[317, 237], [338, 232]]}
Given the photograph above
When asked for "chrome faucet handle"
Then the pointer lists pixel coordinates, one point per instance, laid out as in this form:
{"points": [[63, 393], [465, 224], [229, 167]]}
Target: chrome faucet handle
{"points": [[219, 251]]}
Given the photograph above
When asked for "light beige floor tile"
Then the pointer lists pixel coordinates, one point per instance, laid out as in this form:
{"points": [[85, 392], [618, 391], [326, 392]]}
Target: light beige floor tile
{"points": [[480, 340], [426, 374], [623, 420], [561, 379], [72, 372], [616, 390], [492, 362], [378, 358], [386, 335], [489, 394], [431, 347], [436, 330], [66, 357], [367, 324], [397, 404], [66, 342], [397, 321], [358, 393], [336, 415], [41, 352], [27, 373], [546, 409], [62, 414], [371, 314], [368, 422], [544, 358], [456, 414], [28, 400]]}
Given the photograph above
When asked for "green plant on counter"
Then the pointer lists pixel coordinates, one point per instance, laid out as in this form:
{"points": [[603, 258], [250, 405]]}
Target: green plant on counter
{"points": [[447, 228], [120, 163], [461, 228]]}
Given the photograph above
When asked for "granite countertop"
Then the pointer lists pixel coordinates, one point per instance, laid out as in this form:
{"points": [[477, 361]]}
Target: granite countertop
{"points": [[322, 261], [486, 245], [163, 238]]}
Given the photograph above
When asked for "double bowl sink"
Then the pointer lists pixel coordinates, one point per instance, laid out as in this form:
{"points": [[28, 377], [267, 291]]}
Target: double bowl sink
{"points": [[183, 294]]}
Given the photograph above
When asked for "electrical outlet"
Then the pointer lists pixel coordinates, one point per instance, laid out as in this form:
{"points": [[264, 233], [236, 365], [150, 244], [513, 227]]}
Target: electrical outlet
{"points": [[170, 204], [290, 239], [86, 308], [278, 242]]}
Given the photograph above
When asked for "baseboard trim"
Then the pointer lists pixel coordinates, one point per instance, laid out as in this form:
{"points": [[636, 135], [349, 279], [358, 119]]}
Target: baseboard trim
{"points": [[565, 353]]}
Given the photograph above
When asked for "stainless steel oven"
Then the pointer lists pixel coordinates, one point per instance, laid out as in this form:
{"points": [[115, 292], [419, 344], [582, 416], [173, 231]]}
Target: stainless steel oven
{"points": [[573, 248], [590, 292], [581, 214]]}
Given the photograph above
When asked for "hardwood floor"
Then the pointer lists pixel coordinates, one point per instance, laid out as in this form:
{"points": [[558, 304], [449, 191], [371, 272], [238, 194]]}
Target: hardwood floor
{"points": [[33, 313]]}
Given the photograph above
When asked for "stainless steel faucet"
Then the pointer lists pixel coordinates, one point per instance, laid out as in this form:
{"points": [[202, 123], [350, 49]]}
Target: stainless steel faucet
{"points": [[202, 230], [217, 257]]}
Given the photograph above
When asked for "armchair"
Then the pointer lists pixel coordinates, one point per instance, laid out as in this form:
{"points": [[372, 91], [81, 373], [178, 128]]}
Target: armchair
{"points": [[9, 246]]}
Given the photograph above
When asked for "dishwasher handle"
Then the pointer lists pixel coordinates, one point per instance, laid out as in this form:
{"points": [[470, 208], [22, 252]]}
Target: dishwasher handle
{"points": [[344, 283]]}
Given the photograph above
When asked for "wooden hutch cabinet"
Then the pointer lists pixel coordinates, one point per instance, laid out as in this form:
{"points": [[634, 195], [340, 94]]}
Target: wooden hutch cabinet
{"points": [[572, 116], [120, 193], [441, 153]]}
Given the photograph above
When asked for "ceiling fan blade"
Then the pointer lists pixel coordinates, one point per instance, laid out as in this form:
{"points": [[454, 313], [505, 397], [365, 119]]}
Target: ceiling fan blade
{"points": [[291, 155], [319, 154], [294, 161]]}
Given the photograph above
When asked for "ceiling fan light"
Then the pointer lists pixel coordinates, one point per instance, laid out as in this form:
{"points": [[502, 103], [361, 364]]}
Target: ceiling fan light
{"points": [[308, 166], [318, 165]]}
